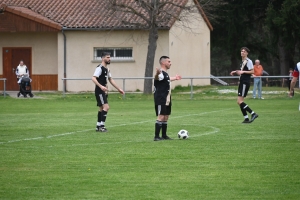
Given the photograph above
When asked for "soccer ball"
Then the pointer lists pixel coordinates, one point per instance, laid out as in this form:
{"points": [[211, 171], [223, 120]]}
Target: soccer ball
{"points": [[183, 134]]}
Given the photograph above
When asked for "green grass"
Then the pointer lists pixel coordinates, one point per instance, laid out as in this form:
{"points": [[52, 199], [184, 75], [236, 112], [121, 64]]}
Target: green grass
{"points": [[49, 149]]}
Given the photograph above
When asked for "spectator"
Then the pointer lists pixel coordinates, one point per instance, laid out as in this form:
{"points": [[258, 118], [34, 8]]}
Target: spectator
{"points": [[20, 72], [258, 71], [290, 80]]}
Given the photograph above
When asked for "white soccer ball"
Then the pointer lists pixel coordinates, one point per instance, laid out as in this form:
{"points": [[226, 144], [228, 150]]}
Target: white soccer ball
{"points": [[183, 134]]}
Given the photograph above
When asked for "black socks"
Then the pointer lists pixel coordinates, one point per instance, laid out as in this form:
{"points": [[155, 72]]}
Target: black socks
{"points": [[158, 126], [101, 118], [245, 108], [164, 129]]}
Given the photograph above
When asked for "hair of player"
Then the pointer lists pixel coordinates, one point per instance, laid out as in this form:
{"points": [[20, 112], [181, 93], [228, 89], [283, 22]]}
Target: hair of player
{"points": [[246, 49], [103, 54], [162, 58]]}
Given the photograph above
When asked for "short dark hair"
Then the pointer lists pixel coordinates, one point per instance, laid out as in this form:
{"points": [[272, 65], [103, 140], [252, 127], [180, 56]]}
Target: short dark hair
{"points": [[163, 57], [103, 54], [291, 68], [246, 49]]}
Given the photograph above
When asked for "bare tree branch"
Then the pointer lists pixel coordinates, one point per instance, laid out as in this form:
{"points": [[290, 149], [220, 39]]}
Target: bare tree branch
{"points": [[152, 15]]}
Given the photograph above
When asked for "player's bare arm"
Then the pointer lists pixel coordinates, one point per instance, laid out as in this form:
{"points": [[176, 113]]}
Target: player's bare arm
{"points": [[232, 73], [113, 83], [158, 71], [175, 78], [240, 72], [98, 84]]}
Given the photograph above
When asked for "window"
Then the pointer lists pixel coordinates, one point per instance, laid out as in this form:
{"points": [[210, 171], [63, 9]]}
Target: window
{"points": [[115, 53]]}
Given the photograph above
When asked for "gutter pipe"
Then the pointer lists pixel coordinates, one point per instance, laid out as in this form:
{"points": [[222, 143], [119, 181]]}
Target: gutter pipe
{"points": [[65, 61]]}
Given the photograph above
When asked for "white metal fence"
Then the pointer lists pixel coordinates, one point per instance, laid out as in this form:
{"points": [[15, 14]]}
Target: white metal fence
{"points": [[4, 86], [190, 78], [143, 78]]}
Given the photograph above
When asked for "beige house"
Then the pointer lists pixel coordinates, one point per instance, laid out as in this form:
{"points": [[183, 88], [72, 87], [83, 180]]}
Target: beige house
{"points": [[58, 39]]}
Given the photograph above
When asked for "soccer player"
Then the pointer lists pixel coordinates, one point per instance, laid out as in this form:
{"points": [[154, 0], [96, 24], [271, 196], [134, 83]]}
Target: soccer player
{"points": [[162, 97], [294, 80], [244, 85], [101, 74]]}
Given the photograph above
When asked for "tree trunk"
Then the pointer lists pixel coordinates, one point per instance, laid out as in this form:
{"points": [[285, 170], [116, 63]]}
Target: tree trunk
{"points": [[234, 62], [153, 36], [273, 61], [283, 57]]}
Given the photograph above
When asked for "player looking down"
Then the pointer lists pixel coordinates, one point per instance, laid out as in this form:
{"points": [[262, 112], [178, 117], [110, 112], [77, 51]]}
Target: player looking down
{"points": [[244, 85], [294, 80], [162, 97], [101, 74]]}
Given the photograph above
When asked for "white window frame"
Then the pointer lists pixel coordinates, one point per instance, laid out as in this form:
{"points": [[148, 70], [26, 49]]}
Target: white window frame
{"points": [[113, 57]]}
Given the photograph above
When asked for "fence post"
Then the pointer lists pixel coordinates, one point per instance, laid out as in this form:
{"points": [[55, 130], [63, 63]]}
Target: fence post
{"points": [[124, 88], [4, 88], [260, 86], [192, 88], [64, 88]]}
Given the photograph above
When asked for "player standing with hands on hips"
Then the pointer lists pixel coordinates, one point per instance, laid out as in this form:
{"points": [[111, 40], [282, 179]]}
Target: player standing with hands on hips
{"points": [[244, 85], [101, 74], [162, 97]]}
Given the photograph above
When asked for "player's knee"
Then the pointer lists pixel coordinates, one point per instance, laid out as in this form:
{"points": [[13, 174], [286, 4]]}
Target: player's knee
{"points": [[106, 107], [161, 118]]}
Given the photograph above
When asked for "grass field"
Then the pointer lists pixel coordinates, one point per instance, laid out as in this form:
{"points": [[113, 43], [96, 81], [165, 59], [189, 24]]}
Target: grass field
{"points": [[50, 150]]}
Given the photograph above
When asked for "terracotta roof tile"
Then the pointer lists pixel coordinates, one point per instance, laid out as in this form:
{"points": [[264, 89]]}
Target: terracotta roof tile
{"points": [[86, 13], [29, 14]]}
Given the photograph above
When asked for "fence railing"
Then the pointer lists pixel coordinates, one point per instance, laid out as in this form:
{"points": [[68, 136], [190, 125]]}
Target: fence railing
{"points": [[190, 78], [4, 86]]}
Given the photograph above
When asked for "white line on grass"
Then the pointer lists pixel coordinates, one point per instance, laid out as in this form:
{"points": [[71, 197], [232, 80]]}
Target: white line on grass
{"points": [[82, 131], [214, 131]]}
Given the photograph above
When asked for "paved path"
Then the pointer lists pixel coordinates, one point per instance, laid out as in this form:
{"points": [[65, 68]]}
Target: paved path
{"points": [[14, 94]]}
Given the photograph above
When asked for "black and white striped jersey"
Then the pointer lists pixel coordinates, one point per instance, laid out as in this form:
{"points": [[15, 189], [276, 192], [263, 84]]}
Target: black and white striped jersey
{"points": [[102, 74], [246, 65], [162, 89]]}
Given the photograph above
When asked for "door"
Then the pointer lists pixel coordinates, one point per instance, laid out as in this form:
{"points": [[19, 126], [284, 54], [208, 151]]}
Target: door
{"points": [[11, 59]]}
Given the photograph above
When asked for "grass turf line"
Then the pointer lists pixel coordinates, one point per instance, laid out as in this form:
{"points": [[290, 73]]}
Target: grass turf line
{"points": [[258, 160]]}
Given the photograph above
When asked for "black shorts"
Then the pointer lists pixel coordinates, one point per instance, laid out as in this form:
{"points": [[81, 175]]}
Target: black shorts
{"points": [[101, 99], [243, 89], [162, 110]]}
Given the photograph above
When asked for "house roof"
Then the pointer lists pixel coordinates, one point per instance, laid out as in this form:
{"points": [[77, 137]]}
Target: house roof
{"points": [[29, 14], [87, 14]]}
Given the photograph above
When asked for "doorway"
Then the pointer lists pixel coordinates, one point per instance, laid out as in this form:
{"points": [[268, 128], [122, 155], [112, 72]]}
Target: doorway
{"points": [[11, 60]]}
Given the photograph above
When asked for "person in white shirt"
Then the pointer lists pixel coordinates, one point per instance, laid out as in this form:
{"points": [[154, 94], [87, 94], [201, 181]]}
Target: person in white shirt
{"points": [[21, 71]]}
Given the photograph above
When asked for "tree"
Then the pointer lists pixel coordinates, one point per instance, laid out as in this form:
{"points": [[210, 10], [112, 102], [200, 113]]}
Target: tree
{"points": [[152, 15], [282, 20], [236, 27], [269, 28]]}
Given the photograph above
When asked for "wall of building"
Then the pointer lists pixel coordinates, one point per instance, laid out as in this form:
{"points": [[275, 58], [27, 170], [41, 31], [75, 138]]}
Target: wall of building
{"points": [[187, 43], [190, 48], [81, 63], [44, 49]]}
